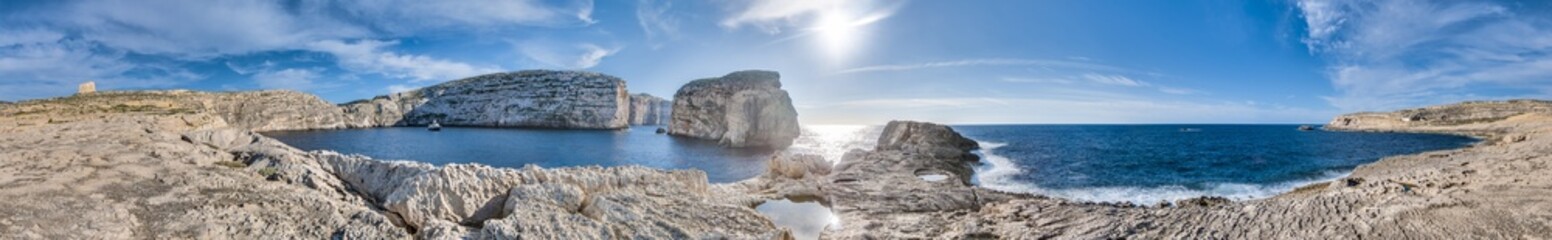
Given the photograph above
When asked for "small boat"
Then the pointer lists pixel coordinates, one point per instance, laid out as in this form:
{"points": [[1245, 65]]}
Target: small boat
{"points": [[1306, 128], [434, 126], [1190, 130]]}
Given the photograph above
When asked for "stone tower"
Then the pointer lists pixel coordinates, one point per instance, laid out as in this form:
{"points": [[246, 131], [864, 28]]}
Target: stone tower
{"points": [[85, 88]]}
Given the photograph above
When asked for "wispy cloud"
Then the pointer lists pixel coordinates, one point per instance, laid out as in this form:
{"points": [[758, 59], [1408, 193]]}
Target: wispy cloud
{"points": [[1057, 110], [370, 56], [1400, 53], [656, 21], [1116, 80], [985, 62], [773, 16], [246, 69], [33, 67], [293, 79], [564, 55]]}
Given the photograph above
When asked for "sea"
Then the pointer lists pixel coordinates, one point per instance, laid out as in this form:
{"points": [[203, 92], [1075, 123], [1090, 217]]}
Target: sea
{"points": [[1143, 164]]}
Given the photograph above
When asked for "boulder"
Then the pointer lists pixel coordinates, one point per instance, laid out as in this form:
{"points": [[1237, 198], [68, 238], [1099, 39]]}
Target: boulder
{"points": [[741, 109]]}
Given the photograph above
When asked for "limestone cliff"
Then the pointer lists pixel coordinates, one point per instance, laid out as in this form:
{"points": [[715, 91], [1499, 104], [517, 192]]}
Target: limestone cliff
{"points": [[646, 109], [532, 98], [741, 109], [1442, 115], [258, 110]]}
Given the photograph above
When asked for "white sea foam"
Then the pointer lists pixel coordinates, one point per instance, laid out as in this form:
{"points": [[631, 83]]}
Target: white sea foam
{"points": [[998, 172]]}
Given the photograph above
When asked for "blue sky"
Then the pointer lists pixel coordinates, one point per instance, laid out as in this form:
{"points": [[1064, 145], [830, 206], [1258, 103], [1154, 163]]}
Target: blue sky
{"points": [[845, 62]]}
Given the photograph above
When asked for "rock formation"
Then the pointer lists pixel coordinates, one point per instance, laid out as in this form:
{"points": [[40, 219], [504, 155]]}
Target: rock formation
{"points": [[532, 98], [168, 165], [741, 109], [649, 110]]}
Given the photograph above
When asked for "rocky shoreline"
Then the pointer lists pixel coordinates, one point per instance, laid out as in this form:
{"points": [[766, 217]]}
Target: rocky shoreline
{"points": [[180, 164]]}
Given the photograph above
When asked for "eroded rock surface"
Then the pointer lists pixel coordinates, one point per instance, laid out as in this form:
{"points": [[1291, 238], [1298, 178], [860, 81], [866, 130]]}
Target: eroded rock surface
{"points": [[741, 109]]}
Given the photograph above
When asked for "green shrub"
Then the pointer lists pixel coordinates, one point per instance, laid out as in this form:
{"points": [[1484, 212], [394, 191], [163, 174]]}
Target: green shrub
{"points": [[232, 164], [268, 171]]}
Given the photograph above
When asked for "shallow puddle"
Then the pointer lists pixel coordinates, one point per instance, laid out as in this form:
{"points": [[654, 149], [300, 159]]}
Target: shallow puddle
{"points": [[933, 177], [807, 217]]}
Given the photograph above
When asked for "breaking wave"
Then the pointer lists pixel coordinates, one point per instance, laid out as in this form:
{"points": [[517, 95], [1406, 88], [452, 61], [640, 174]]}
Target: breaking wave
{"points": [[997, 172]]}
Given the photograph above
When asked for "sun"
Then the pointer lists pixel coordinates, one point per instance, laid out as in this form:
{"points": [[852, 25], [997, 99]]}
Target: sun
{"points": [[839, 32]]}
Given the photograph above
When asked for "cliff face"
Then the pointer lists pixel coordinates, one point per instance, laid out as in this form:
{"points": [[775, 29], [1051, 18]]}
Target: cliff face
{"points": [[1439, 116], [649, 110], [741, 109], [259, 110], [533, 98]]}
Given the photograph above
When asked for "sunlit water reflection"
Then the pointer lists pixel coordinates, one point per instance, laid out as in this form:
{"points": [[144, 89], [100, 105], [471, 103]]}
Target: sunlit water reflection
{"points": [[806, 217]]}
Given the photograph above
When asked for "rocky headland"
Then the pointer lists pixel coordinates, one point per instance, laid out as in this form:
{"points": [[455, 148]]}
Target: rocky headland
{"points": [[531, 98], [181, 164], [741, 109]]}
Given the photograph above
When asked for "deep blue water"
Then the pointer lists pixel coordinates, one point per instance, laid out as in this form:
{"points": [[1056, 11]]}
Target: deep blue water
{"points": [[1150, 163], [544, 147]]}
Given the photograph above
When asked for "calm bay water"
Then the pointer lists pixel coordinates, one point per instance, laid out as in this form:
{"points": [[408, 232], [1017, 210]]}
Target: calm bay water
{"points": [[544, 147], [1152, 163], [505, 147]]}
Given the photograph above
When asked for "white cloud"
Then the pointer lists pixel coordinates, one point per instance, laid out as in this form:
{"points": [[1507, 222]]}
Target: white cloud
{"points": [[369, 56], [985, 62], [1036, 80], [193, 29], [656, 21], [1399, 53], [46, 69], [772, 16], [1178, 91], [250, 68], [11, 37], [398, 88], [46, 48], [1116, 80], [565, 55], [416, 15], [293, 79]]}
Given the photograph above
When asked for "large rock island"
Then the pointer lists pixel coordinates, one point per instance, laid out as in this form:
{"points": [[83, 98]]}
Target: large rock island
{"points": [[531, 98], [742, 109]]}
